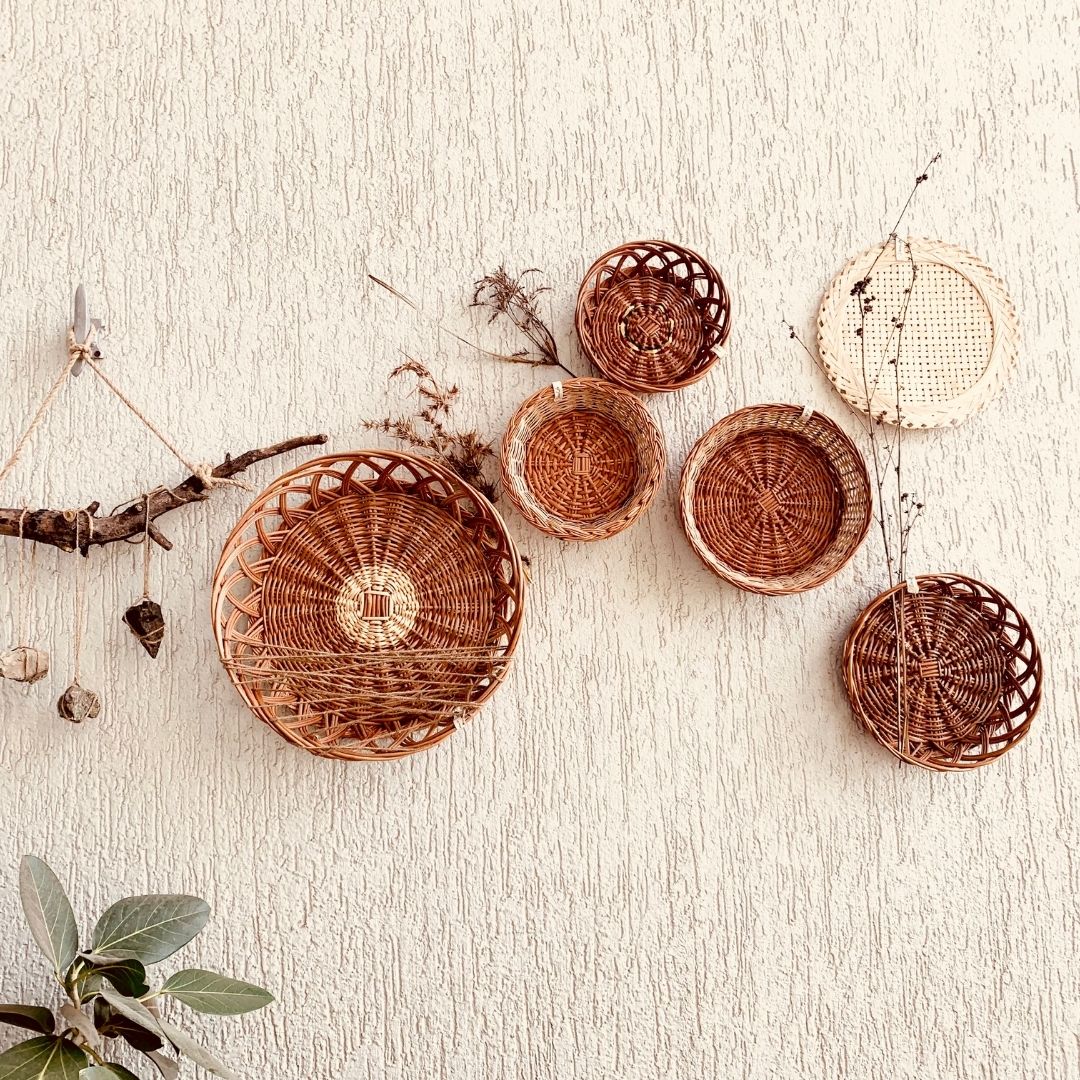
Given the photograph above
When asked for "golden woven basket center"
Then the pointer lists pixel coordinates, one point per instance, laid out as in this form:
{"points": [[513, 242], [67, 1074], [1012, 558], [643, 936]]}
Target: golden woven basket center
{"points": [[768, 503], [374, 570], [953, 671], [581, 465], [377, 606], [948, 332], [643, 325]]}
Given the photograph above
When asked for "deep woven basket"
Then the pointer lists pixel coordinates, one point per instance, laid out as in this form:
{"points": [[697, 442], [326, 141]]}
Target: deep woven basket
{"points": [[366, 603], [958, 341], [652, 315], [971, 673], [775, 499], [582, 460]]}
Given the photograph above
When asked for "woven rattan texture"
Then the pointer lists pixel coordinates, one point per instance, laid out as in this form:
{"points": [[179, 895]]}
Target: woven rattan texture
{"points": [[366, 603], [775, 500], [582, 460], [652, 315], [971, 677], [958, 338]]}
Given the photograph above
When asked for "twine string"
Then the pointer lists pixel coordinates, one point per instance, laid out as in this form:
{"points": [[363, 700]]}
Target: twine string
{"points": [[22, 628], [80, 599], [146, 550]]}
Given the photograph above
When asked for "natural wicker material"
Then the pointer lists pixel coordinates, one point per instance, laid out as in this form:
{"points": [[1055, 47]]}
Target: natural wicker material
{"points": [[366, 603], [972, 675], [775, 499], [651, 315], [959, 338], [582, 459]]}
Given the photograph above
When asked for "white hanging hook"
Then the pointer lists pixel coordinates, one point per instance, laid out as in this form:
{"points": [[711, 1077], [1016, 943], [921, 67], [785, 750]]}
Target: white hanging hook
{"points": [[81, 327]]}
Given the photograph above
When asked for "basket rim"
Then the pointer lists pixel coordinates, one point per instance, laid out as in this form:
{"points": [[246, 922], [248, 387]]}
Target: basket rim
{"points": [[692, 374], [640, 498], [845, 374], [234, 547], [701, 454], [942, 764]]}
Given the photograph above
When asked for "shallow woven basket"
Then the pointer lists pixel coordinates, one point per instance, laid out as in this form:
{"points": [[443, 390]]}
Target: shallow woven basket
{"points": [[582, 460], [366, 603], [651, 315], [958, 340], [972, 674], [775, 499]]}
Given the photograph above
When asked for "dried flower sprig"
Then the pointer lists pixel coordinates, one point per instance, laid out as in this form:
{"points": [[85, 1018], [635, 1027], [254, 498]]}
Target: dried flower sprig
{"points": [[465, 452]]}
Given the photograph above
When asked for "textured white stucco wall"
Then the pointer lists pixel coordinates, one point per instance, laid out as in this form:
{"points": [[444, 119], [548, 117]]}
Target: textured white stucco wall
{"points": [[664, 849]]}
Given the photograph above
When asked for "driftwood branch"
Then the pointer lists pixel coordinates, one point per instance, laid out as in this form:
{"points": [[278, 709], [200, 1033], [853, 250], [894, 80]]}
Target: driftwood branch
{"points": [[58, 527]]}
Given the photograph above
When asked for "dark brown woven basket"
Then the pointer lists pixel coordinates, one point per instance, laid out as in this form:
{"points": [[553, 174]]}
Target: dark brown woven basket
{"points": [[651, 315], [775, 499], [582, 460], [970, 681], [366, 603]]}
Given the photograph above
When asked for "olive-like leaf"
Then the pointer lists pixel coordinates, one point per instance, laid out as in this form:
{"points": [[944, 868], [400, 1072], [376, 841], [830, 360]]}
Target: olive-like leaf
{"points": [[134, 1010], [187, 1046], [47, 1057], [149, 928], [48, 912], [208, 992], [127, 976], [32, 1017], [78, 1021], [168, 1068], [110, 1071]]}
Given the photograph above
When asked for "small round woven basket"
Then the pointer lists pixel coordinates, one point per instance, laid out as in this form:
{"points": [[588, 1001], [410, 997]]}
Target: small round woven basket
{"points": [[366, 603], [582, 460], [775, 499], [651, 315], [969, 682], [945, 313]]}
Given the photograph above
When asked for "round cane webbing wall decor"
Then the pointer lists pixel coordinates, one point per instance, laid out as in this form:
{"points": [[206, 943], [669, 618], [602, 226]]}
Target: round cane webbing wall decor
{"points": [[582, 460], [929, 313], [775, 499], [651, 315], [366, 603], [970, 679]]}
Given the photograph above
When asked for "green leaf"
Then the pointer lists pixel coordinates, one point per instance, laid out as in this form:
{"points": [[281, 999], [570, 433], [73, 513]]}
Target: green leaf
{"points": [[28, 1016], [149, 928], [44, 1058], [168, 1068], [207, 992], [127, 976], [187, 1046], [134, 1010], [48, 911], [78, 1021], [107, 1072]]}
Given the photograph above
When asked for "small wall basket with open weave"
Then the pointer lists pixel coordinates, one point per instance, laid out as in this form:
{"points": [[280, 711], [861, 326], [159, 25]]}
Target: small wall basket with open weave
{"points": [[956, 333], [582, 460], [365, 603], [775, 499], [970, 681], [652, 315]]}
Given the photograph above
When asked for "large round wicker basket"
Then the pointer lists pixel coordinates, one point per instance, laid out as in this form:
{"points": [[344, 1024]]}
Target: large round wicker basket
{"points": [[775, 499], [366, 603], [964, 685], [652, 315], [582, 460], [939, 311]]}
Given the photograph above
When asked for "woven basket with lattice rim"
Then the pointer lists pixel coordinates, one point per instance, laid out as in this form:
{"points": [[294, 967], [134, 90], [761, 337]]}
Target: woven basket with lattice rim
{"points": [[582, 460], [971, 676], [775, 499], [958, 336], [366, 603], [652, 315]]}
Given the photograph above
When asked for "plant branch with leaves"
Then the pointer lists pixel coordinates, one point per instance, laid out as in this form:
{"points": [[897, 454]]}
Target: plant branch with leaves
{"points": [[107, 987]]}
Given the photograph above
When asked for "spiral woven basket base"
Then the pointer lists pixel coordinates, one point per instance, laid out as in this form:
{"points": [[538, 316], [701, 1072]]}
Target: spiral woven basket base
{"points": [[945, 311], [775, 501], [582, 460], [652, 314], [969, 681], [366, 604]]}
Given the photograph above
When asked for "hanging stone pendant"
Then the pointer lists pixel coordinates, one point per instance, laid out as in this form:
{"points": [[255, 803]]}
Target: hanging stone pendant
{"points": [[147, 624], [77, 704], [24, 664]]}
